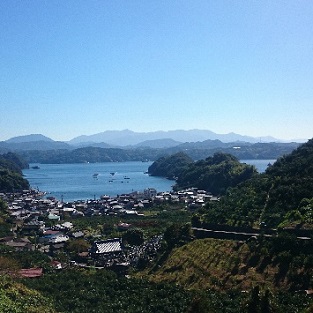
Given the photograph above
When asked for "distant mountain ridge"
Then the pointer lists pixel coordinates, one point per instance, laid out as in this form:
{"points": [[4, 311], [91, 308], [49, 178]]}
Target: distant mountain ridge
{"points": [[32, 142], [29, 138], [127, 137], [159, 143], [34, 145]]}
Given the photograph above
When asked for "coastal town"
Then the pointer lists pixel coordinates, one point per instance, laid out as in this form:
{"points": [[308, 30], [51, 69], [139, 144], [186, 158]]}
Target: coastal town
{"points": [[46, 224]]}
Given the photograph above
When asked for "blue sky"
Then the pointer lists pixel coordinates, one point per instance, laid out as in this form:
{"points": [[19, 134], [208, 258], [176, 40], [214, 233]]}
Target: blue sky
{"points": [[82, 67]]}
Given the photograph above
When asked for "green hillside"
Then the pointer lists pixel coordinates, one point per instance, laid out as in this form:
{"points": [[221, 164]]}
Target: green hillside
{"points": [[215, 174], [11, 178], [227, 264], [170, 166], [280, 197], [16, 297]]}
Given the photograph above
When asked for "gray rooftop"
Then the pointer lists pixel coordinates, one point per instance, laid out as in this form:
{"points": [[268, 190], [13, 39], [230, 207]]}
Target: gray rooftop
{"points": [[107, 246]]}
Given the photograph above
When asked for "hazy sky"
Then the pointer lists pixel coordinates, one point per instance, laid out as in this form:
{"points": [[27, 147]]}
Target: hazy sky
{"points": [[81, 67]]}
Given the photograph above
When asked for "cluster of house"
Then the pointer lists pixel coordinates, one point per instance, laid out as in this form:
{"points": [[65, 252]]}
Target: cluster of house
{"points": [[31, 204], [29, 208]]}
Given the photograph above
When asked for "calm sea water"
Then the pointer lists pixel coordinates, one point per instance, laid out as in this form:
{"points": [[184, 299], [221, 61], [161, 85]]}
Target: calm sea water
{"points": [[260, 165], [78, 182]]}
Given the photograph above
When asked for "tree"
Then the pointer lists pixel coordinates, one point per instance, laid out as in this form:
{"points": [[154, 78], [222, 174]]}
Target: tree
{"points": [[177, 235], [265, 305], [254, 301], [133, 237], [8, 264], [78, 245]]}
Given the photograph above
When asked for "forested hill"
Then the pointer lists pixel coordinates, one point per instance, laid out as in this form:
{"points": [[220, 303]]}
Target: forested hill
{"points": [[170, 166], [241, 150], [215, 174], [11, 178], [196, 151], [90, 155], [280, 197]]}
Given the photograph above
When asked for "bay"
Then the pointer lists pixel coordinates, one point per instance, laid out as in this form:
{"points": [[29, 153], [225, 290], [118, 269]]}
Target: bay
{"points": [[261, 165], [83, 181]]}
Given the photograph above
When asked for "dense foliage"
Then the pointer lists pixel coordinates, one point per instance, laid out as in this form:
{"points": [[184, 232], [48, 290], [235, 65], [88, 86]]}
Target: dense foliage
{"points": [[13, 162], [15, 297], [170, 166], [13, 260], [215, 174], [11, 178], [282, 196], [101, 291], [133, 237], [292, 182]]}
